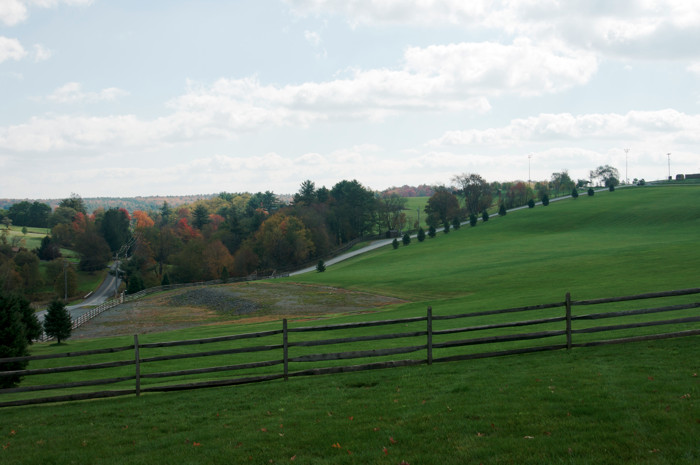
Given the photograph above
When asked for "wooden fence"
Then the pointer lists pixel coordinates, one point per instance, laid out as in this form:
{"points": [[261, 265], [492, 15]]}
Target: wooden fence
{"points": [[292, 347]]}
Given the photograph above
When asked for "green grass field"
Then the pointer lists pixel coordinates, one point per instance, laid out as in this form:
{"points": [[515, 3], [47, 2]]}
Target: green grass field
{"points": [[631, 403]]}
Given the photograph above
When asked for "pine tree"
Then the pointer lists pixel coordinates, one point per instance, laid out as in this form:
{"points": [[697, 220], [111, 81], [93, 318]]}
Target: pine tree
{"points": [[421, 235], [57, 322]]}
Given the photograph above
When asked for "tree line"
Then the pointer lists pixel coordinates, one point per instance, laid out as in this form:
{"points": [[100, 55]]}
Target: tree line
{"points": [[238, 234]]}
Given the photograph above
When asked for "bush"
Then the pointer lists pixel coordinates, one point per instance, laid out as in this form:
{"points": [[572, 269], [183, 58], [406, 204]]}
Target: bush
{"points": [[395, 243], [574, 193], [446, 227], [545, 200], [591, 192], [456, 224], [431, 231], [611, 188], [320, 266], [421, 235], [406, 239], [531, 203], [472, 220], [502, 210], [485, 216]]}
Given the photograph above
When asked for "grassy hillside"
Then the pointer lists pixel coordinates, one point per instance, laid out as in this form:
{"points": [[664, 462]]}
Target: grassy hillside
{"points": [[625, 242], [632, 403]]}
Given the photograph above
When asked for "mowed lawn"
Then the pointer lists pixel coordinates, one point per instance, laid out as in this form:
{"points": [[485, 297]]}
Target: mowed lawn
{"points": [[631, 403]]}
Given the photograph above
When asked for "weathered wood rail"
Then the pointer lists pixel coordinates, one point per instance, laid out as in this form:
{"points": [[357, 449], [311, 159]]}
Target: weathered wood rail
{"points": [[438, 345]]}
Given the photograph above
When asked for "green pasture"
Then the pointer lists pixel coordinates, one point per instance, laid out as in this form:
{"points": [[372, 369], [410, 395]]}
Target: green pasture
{"points": [[630, 403], [31, 240]]}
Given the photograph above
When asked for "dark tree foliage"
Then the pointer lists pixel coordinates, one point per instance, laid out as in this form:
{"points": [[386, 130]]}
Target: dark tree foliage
{"points": [[545, 200], [395, 243], [472, 220], [476, 191], [531, 203], [200, 216], [574, 193], [591, 192], [421, 235], [456, 223], [431, 231], [18, 328], [224, 275], [135, 284], [74, 202], [611, 187], [32, 214], [115, 228], [165, 281], [502, 210], [57, 322], [484, 216], [406, 239], [446, 227], [48, 250], [320, 266], [93, 250], [352, 209], [441, 206]]}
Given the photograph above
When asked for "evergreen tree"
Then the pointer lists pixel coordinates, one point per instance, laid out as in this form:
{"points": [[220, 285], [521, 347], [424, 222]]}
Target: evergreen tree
{"points": [[502, 210], [14, 339], [224, 275], [57, 322], [431, 231], [456, 224], [472, 220], [395, 243], [574, 193], [485, 216], [421, 235], [406, 239], [165, 281], [545, 200], [320, 266], [531, 203]]}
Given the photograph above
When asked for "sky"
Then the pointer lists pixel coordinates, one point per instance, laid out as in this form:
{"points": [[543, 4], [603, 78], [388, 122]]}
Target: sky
{"points": [[122, 98]]}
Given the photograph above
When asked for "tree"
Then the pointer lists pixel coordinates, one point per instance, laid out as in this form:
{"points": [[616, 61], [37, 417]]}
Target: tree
{"points": [[545, 200], [446, 227], [64, 278], [484, 216], [531, 203], [476, 191], [562, 181], [591, 192], [391, 212], [441, 206], [421, 235], [306, 194], [18, 328], [283, 240], [472, 220], [574, 193], [200, 216], [606, 175], [320, 266], [352, 209], [406, 239], [456, 223], [74, 202], [93, 250], [431, 231], [502, 210], [395, 243], [57, 322], [517, 195], [135, 284], [48, 250], [115, 228]]}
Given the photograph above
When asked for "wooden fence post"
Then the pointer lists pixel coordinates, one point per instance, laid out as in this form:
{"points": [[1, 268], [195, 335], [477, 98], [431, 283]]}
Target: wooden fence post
{"points": [[430, 335], [137, 359], [285, 349], [568, 321]]}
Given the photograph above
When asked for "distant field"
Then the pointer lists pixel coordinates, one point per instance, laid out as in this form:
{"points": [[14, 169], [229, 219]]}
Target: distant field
{"points": [[31, 240]]}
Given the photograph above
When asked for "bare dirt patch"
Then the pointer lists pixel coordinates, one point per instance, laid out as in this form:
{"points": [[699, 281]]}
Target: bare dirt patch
{"points": [[242, 303]]}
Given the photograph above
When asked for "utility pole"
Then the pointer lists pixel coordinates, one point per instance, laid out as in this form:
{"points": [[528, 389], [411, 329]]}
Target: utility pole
{"points": [[627, 179]]}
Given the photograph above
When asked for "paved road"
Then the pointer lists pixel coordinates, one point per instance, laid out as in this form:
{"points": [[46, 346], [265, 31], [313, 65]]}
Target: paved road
{"points": [[105, 291]]}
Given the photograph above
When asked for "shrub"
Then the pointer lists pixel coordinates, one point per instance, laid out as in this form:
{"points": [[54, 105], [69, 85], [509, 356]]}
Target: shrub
{"points": [[431, 231], [421, 235], [395, 243], [591, 192], [446, 227], [502, 210], [485, 216], [472, 220], [320, 266], [611, 188], [574, 193], [406, 239], [545, 200], [456, 224], [531, 203]]}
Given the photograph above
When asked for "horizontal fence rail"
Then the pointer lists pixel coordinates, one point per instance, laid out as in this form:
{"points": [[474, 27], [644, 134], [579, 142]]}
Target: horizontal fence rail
{"points": [[239, 359]]}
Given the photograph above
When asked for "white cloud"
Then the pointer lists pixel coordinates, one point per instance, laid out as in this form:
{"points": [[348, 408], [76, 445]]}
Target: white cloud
{"points": [[314, 38], [72, 93], [664, 126], [41, 53], [11, 49], [15, 11], [668, 29]]}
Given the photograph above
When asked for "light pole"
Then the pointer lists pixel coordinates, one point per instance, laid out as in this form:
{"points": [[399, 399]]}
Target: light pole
{"points": [[627, 179], [669, 165]]}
